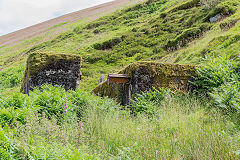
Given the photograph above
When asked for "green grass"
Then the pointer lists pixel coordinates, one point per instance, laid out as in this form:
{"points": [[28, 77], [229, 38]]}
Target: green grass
{"points": [[58, 25], [164, 30], [180, 127], [158, 124]]}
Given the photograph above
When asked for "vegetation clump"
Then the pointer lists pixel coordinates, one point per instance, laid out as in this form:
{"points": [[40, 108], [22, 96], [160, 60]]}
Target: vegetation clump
{"points": [[107, 44], [145, 76], [56, 69], [219, 79], [52, 123], [38, 127]]}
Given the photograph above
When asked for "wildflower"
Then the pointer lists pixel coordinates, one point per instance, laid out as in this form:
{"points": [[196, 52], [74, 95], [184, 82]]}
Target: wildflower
{"points": [[65, 106]]}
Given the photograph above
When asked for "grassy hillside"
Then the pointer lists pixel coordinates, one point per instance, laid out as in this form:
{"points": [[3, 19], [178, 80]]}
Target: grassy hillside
{"points": [[158, 124], [164, 30]]}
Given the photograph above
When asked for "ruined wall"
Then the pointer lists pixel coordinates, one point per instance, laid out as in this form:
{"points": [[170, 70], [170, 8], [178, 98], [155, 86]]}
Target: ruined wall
{"points": [[146, 75], [56, 69]]}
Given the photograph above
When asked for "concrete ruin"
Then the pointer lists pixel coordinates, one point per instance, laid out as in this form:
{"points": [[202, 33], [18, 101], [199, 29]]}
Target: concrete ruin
{"points": [[144, 76], [51, 68]]}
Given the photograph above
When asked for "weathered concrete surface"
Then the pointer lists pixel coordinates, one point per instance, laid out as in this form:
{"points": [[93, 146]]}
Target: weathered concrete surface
{"points": [[146, 75], [56, 69]]}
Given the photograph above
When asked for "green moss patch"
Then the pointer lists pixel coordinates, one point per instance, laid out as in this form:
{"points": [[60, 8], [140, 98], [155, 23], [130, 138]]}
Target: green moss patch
{"points": [[38, 62], [146, 75]]}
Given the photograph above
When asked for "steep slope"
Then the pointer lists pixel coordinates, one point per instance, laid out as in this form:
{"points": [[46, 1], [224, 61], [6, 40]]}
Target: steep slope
{"points": [[52, 123], [90, 13], [157, 30]]}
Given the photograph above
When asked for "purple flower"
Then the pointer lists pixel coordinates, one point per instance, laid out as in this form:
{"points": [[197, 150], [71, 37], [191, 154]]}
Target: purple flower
{"points": [[65, 106]]}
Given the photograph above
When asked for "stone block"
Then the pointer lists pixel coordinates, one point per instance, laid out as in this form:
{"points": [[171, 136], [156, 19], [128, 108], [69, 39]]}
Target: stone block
{"points": [[146, 75], [51, 68]]}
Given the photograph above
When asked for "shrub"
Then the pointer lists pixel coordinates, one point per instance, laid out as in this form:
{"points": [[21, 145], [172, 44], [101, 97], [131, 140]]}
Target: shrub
{"points": [[220, 80], [146, 102], [227, 96], [216, 72], [16, 100], [78, 102], [49, 99]]}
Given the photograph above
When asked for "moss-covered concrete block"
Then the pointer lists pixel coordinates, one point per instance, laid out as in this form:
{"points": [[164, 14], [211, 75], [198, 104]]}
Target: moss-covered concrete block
{"points": [[146, 75], [51, 68]]}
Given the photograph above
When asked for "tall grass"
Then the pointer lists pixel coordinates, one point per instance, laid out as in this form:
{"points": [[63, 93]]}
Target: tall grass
{"points": [[181, 129], [41, 138], [163, 126], [177, 127]]}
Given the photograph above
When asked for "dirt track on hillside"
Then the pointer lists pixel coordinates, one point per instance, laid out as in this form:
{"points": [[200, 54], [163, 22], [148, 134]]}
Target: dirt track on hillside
{"points": [[91, 13]]}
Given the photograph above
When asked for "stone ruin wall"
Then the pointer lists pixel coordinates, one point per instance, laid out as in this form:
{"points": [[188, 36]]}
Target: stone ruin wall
{"points": [[55, 69], [146, 75]]}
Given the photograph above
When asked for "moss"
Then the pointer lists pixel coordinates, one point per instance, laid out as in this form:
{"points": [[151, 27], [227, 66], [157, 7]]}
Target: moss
{"points": [[106, 89], [173, 76], [38, 61]]}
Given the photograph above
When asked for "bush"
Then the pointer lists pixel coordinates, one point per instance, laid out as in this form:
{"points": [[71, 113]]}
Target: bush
{"points": [[47, 100], [16, 100], [216, 72], [227, 96], [147, 101], [220, 80]]}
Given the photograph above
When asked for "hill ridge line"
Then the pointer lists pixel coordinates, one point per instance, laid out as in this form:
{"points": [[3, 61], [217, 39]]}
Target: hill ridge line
{"points": [[41, 28]]}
